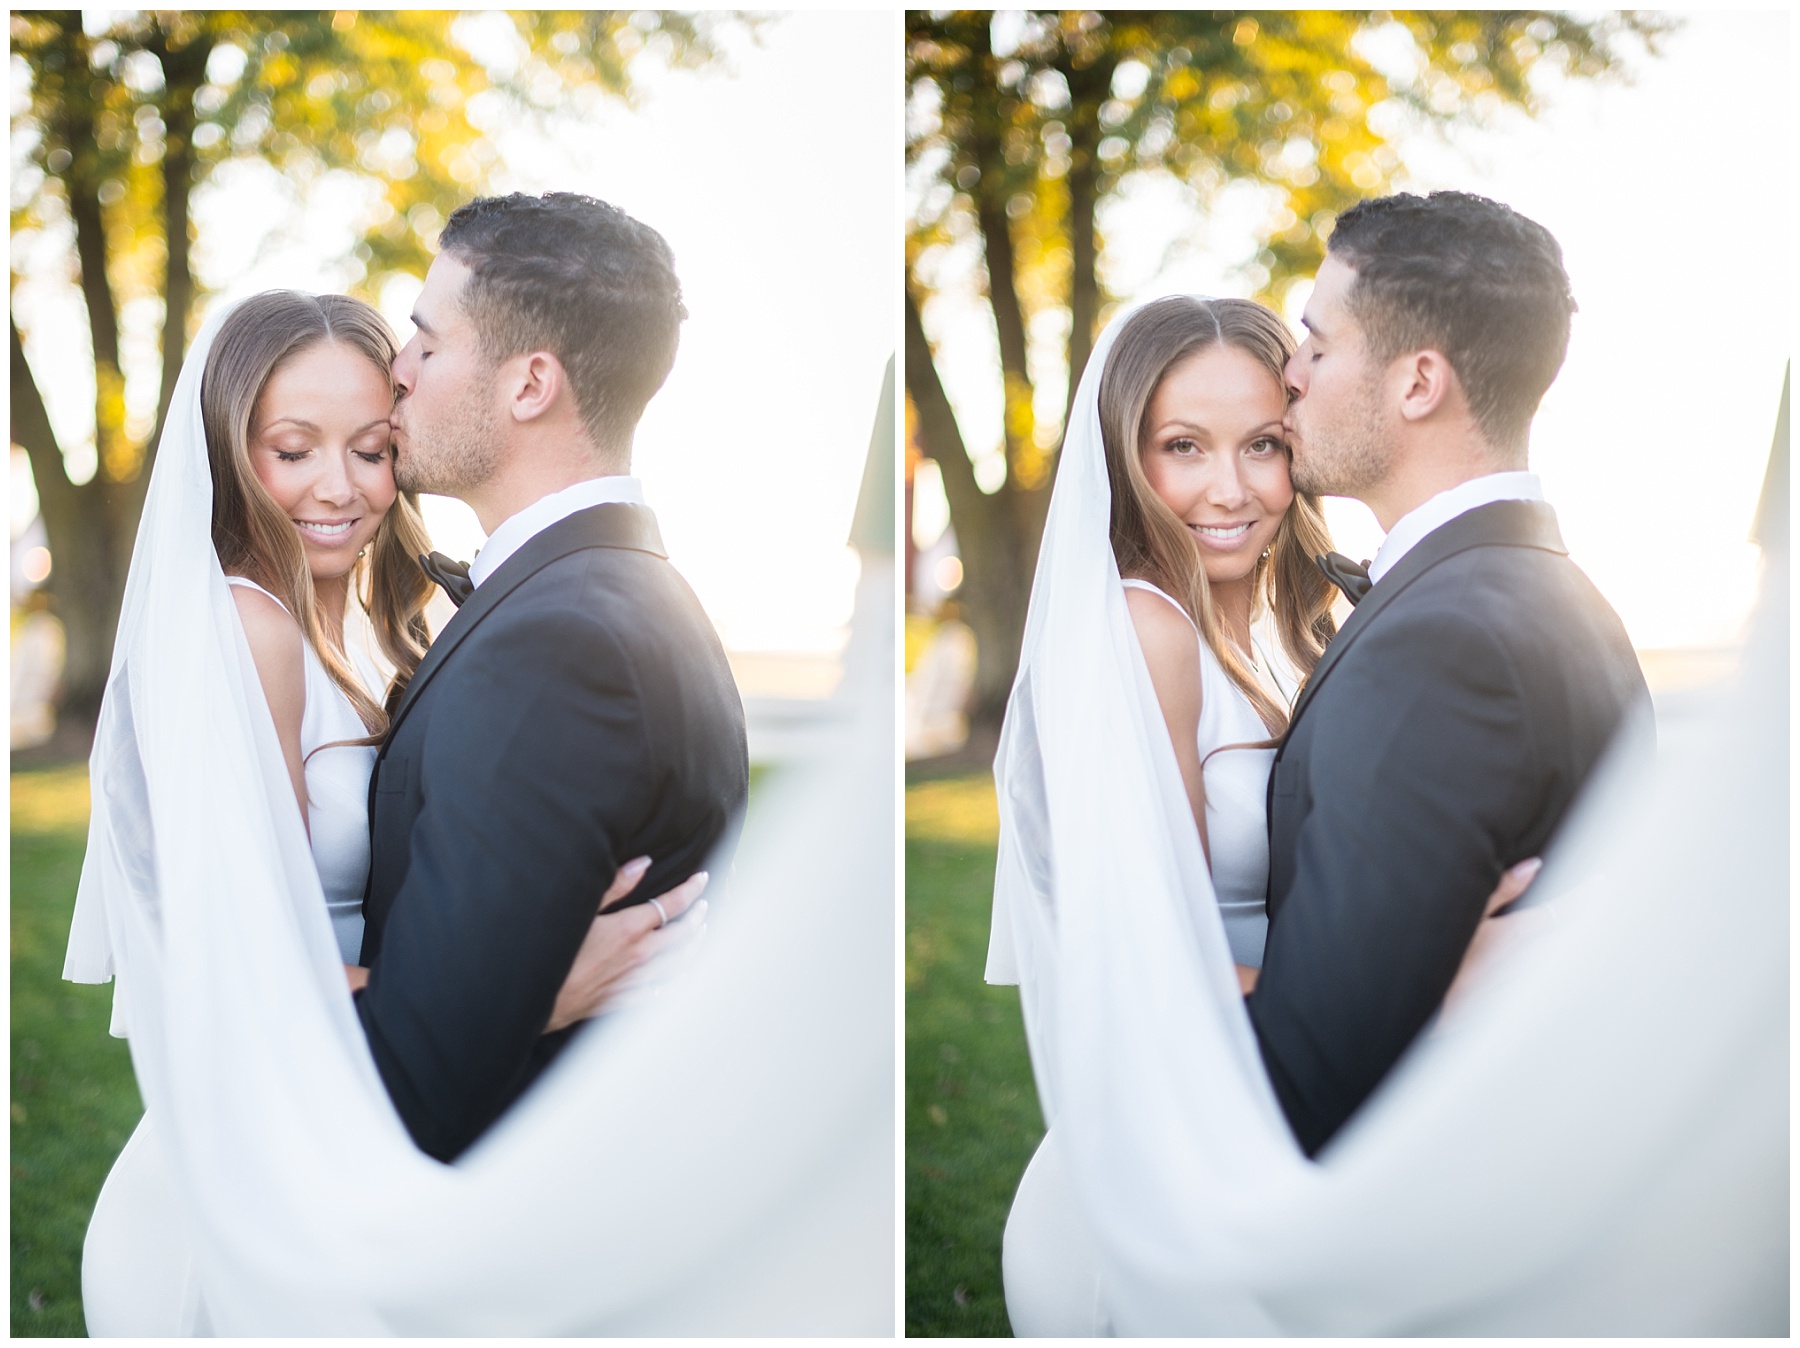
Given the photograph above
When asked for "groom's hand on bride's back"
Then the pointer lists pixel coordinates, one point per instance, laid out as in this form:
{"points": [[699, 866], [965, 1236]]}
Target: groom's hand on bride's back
{"points": [[622, 942]]}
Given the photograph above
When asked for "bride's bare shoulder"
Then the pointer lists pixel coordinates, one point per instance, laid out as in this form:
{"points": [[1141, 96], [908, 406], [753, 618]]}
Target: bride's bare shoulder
{"points": [[1169, 641], [1159, 619], [265, 617], [276, 645]]}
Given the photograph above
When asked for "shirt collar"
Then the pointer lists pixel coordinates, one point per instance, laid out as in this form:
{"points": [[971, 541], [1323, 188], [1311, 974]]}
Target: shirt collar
{"points": [[1411, 528], [519, 529]]}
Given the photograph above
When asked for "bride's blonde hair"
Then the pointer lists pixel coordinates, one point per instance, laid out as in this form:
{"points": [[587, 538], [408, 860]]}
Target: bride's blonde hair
{"points": [[254, 537], [1150, 543]]}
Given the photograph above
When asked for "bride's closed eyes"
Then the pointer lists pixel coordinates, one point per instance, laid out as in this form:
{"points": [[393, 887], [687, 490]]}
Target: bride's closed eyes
{"points": [[372, 443], [368, 456], [374, 456]]}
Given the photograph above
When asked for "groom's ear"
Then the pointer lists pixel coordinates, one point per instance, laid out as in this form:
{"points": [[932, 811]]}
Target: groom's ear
{"points": [[1427, 384], [533, 383]]}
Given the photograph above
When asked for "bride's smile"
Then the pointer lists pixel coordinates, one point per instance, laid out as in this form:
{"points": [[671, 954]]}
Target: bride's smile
{"points": [[327, 532]]}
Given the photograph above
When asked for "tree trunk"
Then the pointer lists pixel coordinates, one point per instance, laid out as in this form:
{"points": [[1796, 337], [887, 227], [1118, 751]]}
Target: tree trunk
{"points": [[115, 457], [87, 555], [87, 581], [90, 527], [1088, 88], [184, 71], [994, 534], [991, 197]]}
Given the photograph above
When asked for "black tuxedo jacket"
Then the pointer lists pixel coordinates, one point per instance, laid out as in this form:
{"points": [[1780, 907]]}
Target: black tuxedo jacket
{"points": [[1442, 737], [575, 713]]}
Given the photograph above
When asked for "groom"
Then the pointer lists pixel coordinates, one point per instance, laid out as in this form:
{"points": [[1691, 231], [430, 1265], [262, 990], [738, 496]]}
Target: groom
{"points": [[1451, 722], [578, 709]]}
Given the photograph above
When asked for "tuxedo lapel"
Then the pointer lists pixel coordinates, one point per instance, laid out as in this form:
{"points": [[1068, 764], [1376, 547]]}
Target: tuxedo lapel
{"points": [[1519, 524], [613, 525]]}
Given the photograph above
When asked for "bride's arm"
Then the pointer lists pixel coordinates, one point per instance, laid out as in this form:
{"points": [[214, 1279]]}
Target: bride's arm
{"points": [[620, 946], [1172, 652], [1495, 932], [277, 648]]}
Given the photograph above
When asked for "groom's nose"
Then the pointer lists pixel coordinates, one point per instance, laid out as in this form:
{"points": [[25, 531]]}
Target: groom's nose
{"points": [[404, 364], [1294, 373]]}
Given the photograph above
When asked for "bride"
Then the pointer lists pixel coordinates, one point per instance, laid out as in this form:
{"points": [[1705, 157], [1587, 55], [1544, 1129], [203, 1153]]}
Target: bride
{"points": [[294, 404], [1213, 541], [1215, 551]]}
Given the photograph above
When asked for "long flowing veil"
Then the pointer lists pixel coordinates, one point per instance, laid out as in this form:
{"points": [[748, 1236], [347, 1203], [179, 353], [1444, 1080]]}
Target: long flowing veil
{"points": [[718, 1161], [1596, 1142]]}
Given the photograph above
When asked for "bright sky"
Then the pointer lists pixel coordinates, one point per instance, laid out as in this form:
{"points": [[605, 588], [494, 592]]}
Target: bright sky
{"points": [[1674, 225], [774, 182]]}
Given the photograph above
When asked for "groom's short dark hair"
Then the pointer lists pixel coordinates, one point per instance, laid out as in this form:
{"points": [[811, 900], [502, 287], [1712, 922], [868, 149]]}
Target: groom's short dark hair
{"points": [[581, 279], [1457, 273]]}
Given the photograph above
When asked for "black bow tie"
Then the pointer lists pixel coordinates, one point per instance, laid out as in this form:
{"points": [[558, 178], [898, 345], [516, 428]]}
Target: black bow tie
{"points": [[1350, 577], [451, 574]]}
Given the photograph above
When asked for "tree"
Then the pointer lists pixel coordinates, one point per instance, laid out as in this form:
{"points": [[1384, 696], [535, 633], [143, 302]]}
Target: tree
{"points": [[129, 116], [1020, 125]]}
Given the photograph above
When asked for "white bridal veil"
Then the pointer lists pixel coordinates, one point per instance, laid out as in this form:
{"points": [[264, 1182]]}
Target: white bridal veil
{"points": [[1595, 1143], [720, 1161]]}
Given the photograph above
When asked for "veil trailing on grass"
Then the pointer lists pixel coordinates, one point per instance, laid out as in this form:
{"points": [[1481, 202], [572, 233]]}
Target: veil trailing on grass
{"points": [[718, 1161], [1595, 1142]]}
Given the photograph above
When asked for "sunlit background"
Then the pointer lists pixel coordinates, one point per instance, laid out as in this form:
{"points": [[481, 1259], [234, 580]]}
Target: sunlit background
{"points": [[1670, 193], [771, 174], [329, 146], [1653, 441]]}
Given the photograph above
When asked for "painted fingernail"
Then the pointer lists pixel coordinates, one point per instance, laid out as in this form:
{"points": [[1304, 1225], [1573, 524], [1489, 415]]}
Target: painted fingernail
{"points": [[636, 866], [1528, 868]]}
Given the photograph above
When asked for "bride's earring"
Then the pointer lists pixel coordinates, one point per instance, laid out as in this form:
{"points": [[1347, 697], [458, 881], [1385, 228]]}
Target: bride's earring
{"points": [[1267, 551]]}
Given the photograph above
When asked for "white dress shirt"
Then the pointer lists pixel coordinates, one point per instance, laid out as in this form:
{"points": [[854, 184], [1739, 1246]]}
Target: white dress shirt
{"points": [[517, 530], [1410, 529]]}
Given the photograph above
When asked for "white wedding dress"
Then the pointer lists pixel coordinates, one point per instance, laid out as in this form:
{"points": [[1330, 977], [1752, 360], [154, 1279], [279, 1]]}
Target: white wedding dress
{"points": [[1237, 781], [1050, 1266], [137, 1265], [337, 790], [1594, 1142]]}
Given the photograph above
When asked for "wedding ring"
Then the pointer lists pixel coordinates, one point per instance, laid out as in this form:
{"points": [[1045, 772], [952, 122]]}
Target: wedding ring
{"points": [[660, 912]]}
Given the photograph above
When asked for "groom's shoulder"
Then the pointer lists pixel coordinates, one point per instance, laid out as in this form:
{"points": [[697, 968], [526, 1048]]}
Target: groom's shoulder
{"points": [[1527, 611], [603, 603], [600, 585], [1507, 581]]}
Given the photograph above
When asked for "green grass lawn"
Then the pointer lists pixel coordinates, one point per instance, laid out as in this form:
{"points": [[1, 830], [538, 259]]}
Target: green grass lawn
{"points": [[972, 1118], [74, 1100]]}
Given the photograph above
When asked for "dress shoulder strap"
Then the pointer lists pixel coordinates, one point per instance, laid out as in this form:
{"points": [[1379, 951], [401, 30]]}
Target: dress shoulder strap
{"points": [[248, 584], [1132, 583]]}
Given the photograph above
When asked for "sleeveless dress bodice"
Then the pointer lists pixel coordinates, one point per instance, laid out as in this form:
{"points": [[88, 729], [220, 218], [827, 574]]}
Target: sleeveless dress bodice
{"points": [[337, 796], [1237, 783]]}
